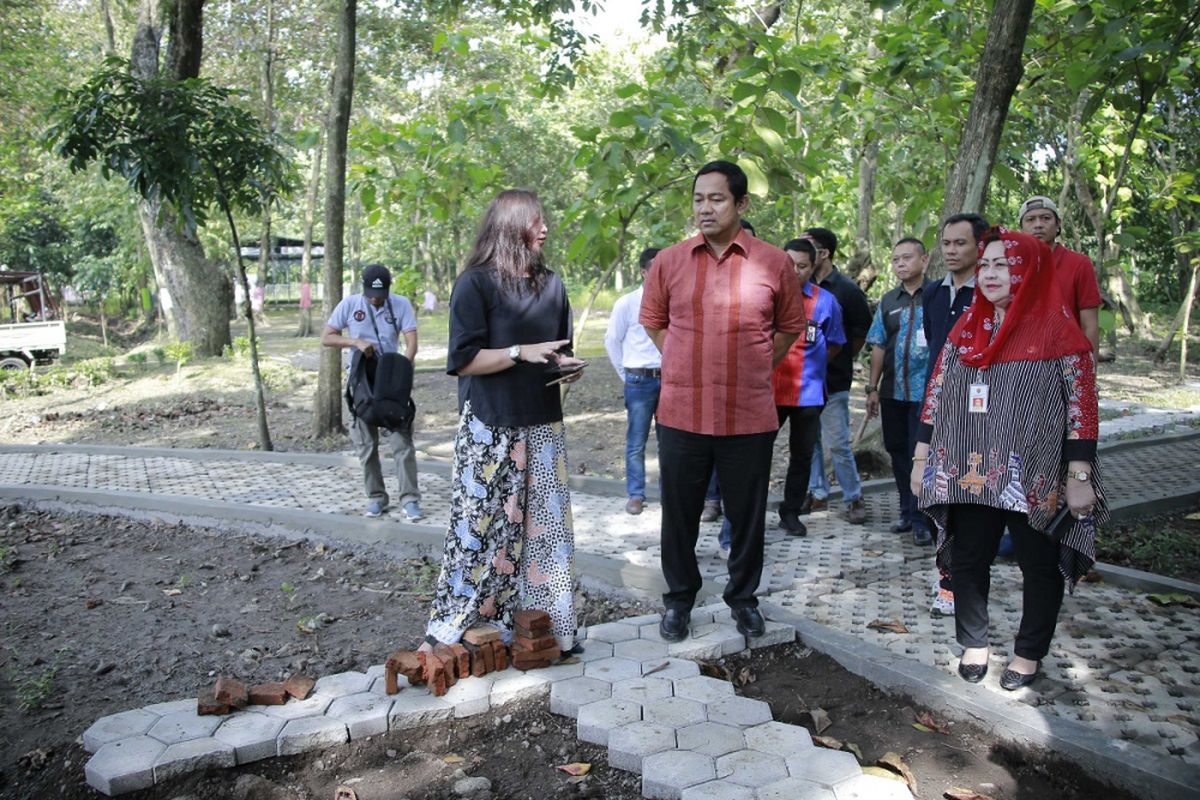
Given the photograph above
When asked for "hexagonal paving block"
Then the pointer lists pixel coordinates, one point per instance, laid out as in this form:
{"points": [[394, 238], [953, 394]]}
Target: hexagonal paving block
{"points": [[650, 633], [471, 696], [594, 650], [724, 632], [665, 775], [711, 738], [117, 726], [613, 669], [629, 744], [707, 649], [703, 688], [192, 755], [795, 789], [739, 711], [414, 708], [365, 713], [567, 696], [123, 766], [670, 668], [779, 738], [643, 619], [171, 706], [643, 689], [751, 768], [251, 735], [182, 726], [640, 649], [561, 672], [511, 685], [717, 790], [826, 767], [674, 711], [612, 632], [314, 706], [342, 684], [597, 719], [872, 787], [776, 633], [311, 733]]}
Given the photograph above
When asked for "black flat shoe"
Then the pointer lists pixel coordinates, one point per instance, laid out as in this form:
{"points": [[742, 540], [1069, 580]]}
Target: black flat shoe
{"points": [[576, 649], [1011, 680], [901, 526], [674, 625], [972, 673], [749, 621]]}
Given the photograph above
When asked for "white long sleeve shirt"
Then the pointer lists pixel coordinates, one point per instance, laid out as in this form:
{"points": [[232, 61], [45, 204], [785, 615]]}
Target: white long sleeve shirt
{"points": [[626, 341]]}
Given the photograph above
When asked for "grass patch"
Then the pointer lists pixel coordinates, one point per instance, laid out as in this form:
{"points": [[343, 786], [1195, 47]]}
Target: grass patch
{"points": [[1167, 545]]}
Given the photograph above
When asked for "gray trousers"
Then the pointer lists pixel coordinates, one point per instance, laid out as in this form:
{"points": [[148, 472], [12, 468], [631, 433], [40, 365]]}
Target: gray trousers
{"points": [[365, 439]]}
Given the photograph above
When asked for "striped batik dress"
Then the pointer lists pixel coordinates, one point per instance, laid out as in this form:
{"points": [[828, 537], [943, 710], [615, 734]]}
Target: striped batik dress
{"points": [[1012, 456]]}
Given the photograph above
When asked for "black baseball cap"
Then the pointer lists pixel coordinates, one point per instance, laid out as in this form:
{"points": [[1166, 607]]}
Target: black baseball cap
{"points": [[377, 281]]}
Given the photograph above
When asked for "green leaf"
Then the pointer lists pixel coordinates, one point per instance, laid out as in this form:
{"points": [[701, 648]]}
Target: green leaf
{"points": [[628, 90], [1080, 19], [1125, 239], [769, 137], [759, 184], [1079, 75], [743, 90]]}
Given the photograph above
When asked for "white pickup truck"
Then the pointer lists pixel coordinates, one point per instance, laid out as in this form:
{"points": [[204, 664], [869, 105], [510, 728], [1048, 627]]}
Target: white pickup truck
{"points": [[29, 331]]}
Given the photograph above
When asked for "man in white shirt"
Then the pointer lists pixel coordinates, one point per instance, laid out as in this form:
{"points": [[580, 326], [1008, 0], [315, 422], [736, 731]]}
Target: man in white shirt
{"points": [[638, 362]]}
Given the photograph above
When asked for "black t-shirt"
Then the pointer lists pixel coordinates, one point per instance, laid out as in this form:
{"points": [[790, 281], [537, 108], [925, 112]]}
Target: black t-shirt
{"points": [[484, 316], [856, 319]]}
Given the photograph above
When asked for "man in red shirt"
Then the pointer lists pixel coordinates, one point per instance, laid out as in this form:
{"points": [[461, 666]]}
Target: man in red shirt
{"points": [[723, 308], [1074, 271]]}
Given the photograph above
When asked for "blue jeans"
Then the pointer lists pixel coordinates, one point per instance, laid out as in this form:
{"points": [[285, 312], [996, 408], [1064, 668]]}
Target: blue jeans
{"points": [[641, 401], [835, 432]]}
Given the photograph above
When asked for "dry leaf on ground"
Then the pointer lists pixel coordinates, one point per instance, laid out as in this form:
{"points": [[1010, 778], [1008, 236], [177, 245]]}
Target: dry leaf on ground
{"points": [[820, 719], [965, 794], [659, 668], [880, 772], [894, 626], [453, 758], [926, 720], [828, 742], [893, 762], [575, 768]]}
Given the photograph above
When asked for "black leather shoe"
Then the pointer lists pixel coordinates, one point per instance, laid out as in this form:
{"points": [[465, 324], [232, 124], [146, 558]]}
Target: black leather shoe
{"points": [[1011, 680], [674, 625], [901, 526], [791, 524], [972, 673], [922, 536], [749, 621]]}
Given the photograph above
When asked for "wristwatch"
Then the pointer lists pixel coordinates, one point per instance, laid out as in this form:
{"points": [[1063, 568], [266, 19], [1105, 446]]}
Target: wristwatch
{"points": [[514, 352], [1083, 476], [870, 390]]}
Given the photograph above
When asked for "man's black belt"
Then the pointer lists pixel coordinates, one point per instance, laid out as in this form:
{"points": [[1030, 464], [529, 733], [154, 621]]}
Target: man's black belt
{"points": [[645, 372]]}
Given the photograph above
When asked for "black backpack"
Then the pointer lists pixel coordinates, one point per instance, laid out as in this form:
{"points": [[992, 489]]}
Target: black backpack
{"points": [[379, 390]]}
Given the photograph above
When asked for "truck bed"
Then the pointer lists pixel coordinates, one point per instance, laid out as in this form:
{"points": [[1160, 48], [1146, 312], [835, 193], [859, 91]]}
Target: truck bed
{"points": [[30, 337]]}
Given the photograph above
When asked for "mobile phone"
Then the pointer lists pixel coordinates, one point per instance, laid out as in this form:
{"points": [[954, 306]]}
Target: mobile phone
{"points": [[566, 373], [1059, 526]]}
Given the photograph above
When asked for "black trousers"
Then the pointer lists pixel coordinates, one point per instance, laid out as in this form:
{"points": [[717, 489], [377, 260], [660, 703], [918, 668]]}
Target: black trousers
{"points": [[803, 431], [976, 531], [900, 421], [743, 466]]}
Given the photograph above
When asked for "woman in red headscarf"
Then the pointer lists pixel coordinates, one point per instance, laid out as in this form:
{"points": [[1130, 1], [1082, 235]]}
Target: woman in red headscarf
{"points": [[1008, 439]]}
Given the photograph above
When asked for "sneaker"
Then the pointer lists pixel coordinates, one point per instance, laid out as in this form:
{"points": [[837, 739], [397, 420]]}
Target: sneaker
{"points": [[943, 603], [375, 508], [711, 512], [856, 512], [723, 553], [412, 511]]}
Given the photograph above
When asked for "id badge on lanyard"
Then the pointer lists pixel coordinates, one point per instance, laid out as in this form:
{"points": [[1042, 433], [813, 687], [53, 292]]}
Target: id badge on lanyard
{"points": [[977, 395]]}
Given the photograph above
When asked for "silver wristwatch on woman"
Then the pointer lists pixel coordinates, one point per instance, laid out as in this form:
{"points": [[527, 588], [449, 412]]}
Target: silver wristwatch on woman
{"points": [[514, 352], [1083, 476]]}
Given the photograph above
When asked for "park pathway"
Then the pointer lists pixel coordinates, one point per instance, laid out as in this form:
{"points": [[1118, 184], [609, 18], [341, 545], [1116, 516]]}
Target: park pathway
{"points": [[1123, 665]]}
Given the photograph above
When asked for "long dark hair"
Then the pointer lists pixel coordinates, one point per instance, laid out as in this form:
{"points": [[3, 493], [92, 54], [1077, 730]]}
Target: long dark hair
{"points": [[504, 242]]}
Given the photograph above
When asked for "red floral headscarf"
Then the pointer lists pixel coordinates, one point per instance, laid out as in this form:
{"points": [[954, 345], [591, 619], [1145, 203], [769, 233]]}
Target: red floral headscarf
{"points": [[1037, 323]]}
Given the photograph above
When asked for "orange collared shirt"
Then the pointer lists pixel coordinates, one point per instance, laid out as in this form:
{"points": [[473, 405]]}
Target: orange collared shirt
{"points": [[719, 317]]}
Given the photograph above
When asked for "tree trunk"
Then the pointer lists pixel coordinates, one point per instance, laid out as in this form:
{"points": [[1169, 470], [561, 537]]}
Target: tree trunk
{"points": [[193, 293], [310, 213], [328, 407], [861, 267], [1000, 69], [1188, 300], [110, 39], [268, 101]]}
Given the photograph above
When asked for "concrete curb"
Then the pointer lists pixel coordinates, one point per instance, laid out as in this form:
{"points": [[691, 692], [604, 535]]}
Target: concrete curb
{"points": [[1135, 769]]}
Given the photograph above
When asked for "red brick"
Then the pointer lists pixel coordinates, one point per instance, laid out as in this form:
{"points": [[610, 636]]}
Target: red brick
{"points": [[522, 632], [231, 692], [476, 654], [551, 653], [207, 704], [489, 658], [436, 675], [438, 684], [406, 663], [299, 686], [524, 661], [463, 659], [268, 694], [532, 620], [481, 635], [530, 645], [501, 655], [448, 658]]}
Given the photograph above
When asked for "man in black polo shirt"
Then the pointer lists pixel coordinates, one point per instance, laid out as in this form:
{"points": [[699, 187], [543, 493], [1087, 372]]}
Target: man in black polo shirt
{"points": [[946, 299], [835, 419]]}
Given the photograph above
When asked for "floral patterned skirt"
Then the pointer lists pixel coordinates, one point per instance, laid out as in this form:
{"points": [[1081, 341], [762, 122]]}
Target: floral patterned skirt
{"points": [[511, 541]]}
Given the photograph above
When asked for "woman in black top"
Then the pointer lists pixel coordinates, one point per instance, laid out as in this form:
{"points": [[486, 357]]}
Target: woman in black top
{"points": [[510, 542]]}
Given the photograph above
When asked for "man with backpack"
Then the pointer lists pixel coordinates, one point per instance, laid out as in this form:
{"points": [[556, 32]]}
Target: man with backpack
{"points": [[373, 322]]}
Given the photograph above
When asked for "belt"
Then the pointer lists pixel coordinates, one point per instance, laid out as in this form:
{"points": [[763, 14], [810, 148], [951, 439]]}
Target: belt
{"points": [[645, 372]]}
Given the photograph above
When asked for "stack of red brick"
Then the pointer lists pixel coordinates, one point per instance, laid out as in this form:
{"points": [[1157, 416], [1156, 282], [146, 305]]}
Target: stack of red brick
{"points": [[479, 653], [228, 694]]}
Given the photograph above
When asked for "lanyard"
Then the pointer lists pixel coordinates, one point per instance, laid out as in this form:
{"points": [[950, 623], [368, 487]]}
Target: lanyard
{"points": [[392, 318]]}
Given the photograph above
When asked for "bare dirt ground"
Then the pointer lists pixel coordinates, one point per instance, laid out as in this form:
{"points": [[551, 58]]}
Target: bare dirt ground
{"points": [[105, 614]]}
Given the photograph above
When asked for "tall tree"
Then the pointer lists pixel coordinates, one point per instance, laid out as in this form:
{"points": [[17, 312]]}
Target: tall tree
{"points": [[194, 294], [328, 407]]}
